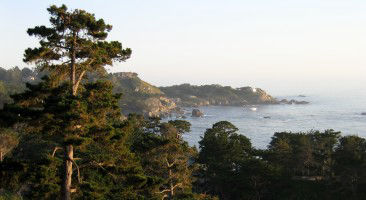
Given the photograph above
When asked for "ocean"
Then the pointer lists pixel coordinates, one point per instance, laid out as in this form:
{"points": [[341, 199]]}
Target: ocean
{"points": [[260, 122]]}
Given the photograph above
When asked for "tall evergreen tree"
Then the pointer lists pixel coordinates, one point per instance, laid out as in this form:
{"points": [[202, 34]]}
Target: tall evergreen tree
{"points": [[105, 166], [73, 45]]}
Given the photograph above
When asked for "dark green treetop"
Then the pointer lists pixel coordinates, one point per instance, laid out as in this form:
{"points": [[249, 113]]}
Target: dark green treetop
{"points": [[74, 44]]}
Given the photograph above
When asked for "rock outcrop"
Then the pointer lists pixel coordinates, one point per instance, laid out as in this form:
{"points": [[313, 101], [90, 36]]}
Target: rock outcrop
{"points": [[160, 107], [197, 113], [293, 101], [141, 97], [195, 96]]}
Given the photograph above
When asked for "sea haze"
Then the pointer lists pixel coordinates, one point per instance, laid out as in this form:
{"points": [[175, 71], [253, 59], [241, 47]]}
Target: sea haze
{"points": [[341, 113]]}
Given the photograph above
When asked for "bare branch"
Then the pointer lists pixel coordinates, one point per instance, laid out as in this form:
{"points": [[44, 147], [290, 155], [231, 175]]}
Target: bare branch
{"points": [[77, 167], [65, 62], [165, 195], [177, 185], [79, 80], [54, 151], [166, 190], [170, 164]]}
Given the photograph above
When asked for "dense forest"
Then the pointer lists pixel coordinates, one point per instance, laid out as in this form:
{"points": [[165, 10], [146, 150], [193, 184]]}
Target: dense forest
{"points": [[63, 136]]}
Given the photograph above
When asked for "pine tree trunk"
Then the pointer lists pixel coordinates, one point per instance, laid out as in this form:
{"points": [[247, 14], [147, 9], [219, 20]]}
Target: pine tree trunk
{"points": [[69, 150], [69, 156], [72, 65]]}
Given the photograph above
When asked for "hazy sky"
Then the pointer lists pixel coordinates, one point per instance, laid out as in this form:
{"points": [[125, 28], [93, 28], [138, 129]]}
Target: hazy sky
{"points": [[283, 46]]}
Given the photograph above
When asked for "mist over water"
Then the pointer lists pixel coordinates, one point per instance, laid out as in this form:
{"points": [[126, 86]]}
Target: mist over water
{"points": [[338, 112]]}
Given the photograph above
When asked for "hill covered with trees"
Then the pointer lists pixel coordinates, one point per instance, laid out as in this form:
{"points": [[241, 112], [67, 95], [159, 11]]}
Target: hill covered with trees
{"points": [[191, 95], [138, 96], [143, 98]]}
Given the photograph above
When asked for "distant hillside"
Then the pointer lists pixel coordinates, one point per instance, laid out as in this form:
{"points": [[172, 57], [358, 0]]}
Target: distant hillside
{"points": [[144, 98], [13, 81], [191, 95], [138, 96]]}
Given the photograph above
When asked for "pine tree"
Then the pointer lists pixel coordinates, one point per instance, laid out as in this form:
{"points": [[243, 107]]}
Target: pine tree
{"points": [[105, 165], [73, 45]]}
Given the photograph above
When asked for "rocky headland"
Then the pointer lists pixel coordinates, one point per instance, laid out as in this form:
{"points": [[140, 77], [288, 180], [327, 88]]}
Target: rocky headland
{"points": [[187, 95], [143, 98]]}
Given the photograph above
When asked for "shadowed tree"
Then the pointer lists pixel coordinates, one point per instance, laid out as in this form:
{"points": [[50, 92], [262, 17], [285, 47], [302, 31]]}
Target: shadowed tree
{"points": [[222, 152], [350, 166], [8, 140], [105, 166], [166, 156], [181, 126], [73, 45]]}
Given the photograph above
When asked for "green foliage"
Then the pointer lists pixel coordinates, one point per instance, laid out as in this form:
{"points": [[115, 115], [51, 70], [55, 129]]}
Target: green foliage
{"points": [[182, 126], [72, 46], [91, 121], [9, 196], [216, 95], [13, 81], [31, 171], [75, 39], [166, 156], [8, 141], [350, 167], [302, 154], [4, 96], [228, 159]]}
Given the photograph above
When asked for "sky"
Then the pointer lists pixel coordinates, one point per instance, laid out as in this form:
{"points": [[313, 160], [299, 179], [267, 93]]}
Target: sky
{"points": [[286, 47]]}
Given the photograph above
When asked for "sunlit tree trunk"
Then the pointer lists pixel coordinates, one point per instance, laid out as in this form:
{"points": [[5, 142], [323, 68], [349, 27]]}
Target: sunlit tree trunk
{"points": [[69, 156], [69, 149]]}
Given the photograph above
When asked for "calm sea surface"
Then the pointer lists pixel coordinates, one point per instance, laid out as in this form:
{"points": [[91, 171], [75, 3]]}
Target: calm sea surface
{"points": [[338, 113]]}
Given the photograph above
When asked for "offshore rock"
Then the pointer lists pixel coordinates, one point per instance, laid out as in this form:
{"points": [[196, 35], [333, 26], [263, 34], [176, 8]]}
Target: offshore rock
{"points": [[293, 101], [197, 113]]}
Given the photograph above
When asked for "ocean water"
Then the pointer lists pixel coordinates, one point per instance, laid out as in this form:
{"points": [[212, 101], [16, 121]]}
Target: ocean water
{"points": [[342, 113]]}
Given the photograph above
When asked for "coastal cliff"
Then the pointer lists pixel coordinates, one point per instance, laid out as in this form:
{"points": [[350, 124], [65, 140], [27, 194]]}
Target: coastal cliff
{"points": [[217, 95], [143, 98]]}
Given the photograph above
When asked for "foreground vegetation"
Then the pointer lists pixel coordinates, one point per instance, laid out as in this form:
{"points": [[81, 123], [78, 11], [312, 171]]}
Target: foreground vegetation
{"points": [[64, 138], [147, 159]]}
